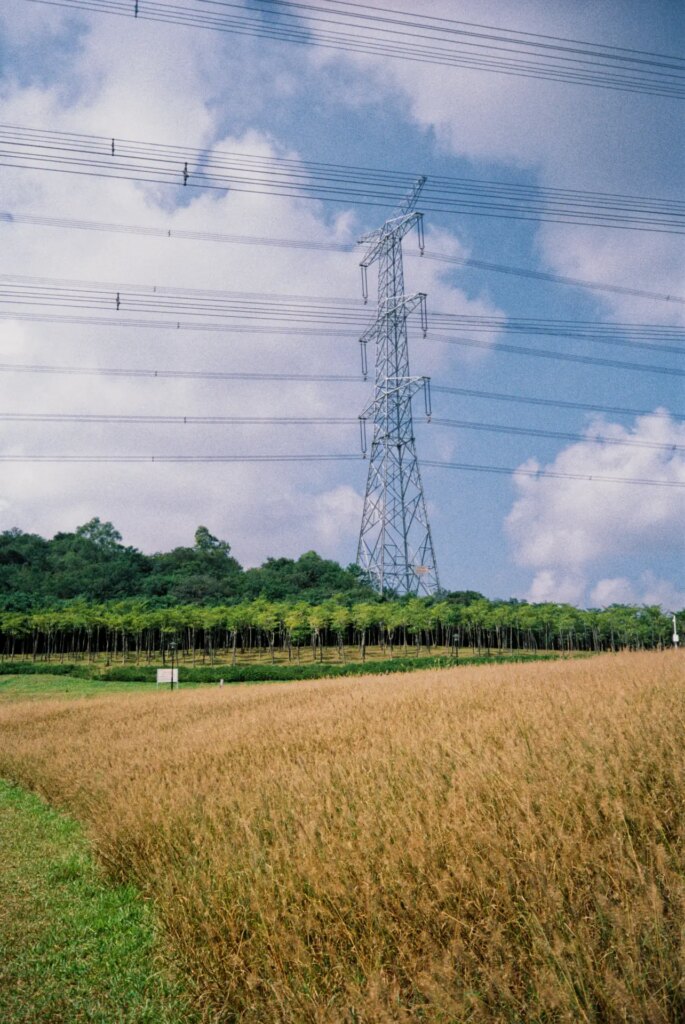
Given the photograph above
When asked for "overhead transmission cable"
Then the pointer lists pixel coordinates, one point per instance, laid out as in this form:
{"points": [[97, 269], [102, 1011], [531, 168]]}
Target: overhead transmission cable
{"points": [[568, 357], [555, 403], [218, 375], [336, 457], [383, 32], [162, 374], [526, 471], [541, 275], [318, 332], [302, 316], [325, 311], [38, 220], [71, 152], [332, 457], [189, 420], [561, 435], [145, 419]]}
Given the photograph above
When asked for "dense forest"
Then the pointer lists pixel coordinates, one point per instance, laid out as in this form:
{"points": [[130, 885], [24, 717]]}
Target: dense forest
{"points": [[83, 595], [92, 564]]}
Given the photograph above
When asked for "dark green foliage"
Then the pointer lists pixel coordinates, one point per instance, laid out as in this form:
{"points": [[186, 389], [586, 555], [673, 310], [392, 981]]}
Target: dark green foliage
{"points": [[24, 566], [38, 668], [462, 597], [89, 563], [309, 578], [92, 564], [274, 673], [204, 574]]}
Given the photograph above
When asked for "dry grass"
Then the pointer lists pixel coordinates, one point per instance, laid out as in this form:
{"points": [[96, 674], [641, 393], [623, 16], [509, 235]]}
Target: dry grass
{"points": [[474, 845]]}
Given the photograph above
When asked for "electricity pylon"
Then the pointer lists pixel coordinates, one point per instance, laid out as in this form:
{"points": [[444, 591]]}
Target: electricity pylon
{"points": [[395, 545]]}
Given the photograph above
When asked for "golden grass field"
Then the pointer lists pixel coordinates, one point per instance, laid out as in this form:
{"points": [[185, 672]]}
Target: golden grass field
{"points": [[482, 844]]}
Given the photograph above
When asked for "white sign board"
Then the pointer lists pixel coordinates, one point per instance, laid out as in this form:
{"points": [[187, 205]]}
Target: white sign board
{"points": [[167, 675]]}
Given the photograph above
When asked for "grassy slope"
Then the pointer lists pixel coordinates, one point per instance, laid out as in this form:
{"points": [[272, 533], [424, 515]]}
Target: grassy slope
{"points": [[72, 948]]}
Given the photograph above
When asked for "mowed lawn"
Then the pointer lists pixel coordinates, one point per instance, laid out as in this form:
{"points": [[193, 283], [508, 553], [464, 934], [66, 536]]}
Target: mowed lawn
{"points": [[500, 843]]}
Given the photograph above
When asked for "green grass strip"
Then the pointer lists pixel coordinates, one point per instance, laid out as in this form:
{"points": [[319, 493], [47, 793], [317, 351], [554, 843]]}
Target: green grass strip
{"points": [[73, 948], [25, 686]]}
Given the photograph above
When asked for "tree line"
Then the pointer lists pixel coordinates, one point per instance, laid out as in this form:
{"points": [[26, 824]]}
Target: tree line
{"points": [[84, 595], [133, 632]]}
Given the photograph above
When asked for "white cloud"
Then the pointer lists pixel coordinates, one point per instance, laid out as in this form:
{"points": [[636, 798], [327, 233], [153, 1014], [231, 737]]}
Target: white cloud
{"points": [[548, 585], [337, 514], [564, 529], [648, 589], [618, 590], [659, 591], [649, 263]]}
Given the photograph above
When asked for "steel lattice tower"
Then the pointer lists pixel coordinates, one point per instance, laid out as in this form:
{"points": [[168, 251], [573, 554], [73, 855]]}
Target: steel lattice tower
{"points": [[395, 544]]}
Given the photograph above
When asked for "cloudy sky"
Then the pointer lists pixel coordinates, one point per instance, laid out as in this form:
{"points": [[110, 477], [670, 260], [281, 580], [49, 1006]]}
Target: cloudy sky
{"points": [[506, 534]]}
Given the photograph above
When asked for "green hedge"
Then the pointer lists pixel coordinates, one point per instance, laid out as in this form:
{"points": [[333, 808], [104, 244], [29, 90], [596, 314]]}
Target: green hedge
{"points": [[274, 673], [46, 668], [258, 673]]}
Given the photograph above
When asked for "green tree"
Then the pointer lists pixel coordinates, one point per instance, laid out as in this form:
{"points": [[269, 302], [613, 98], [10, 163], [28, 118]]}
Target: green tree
{"points": [[364, 616], [103, 535]]}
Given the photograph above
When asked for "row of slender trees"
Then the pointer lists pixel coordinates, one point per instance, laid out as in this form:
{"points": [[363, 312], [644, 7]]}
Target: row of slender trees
{"points": [[130, 631]]}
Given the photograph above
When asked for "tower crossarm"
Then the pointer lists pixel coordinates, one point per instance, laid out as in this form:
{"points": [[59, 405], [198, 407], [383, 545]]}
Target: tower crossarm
{"points": [[407, 386], [409, 201], [389, 307], [395, 227], [401, 303], [403, 216], [393, 230], [404, 388]]}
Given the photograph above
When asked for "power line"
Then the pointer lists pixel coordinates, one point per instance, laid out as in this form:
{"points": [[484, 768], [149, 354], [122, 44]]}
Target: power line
{"points": [[127, 159], [541, 275], [152, 418], [209, 420], [173, 233], [162, 374], [319, 332], [337, 457], [8, 217], [526, 471], [552, 403], [302, 309], [568, 357], [506, 428], [414, 38], [470, 25]]}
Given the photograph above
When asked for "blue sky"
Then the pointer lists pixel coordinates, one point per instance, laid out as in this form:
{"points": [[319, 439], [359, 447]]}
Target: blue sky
{"points": [[545, 538]]}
